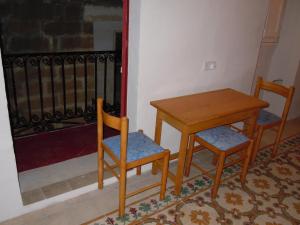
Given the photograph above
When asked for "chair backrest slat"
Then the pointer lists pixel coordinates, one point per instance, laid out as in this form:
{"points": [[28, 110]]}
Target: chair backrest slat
{"points": [[273, 87], [286, 92], [111, 121], [120, 124]]}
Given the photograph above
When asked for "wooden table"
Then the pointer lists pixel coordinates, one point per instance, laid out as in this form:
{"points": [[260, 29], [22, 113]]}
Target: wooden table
{"points": [[192, 113]]}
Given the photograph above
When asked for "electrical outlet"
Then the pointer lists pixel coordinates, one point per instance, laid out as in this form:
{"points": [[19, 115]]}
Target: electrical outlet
{"points": [[210, 65]]}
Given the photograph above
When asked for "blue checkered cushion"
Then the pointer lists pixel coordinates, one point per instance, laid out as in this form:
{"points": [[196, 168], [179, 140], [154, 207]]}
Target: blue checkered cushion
{"points": [[138, 146], [266, 117], [222, 137]]}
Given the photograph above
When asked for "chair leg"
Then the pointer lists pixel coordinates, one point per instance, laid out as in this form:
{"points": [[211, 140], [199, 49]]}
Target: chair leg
{"points": [[246, 162], [164, 176], [189, 156], [219, 172], [122, 191], [100, 168], [215, 159], [277, 141], [154, 168], [257, 143], [139, 170]]}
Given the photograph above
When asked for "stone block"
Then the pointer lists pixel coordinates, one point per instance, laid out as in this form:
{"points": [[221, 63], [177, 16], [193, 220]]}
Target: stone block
{"points": [[89, 70], [25, 44], [62, 28], [110, 3], [77, 43], [36, 104], [70, 85], [6, 9], [34, 88], [70, 97], [73, 11], [58, 10], [22, 27], [88, 28], [33, 10]]}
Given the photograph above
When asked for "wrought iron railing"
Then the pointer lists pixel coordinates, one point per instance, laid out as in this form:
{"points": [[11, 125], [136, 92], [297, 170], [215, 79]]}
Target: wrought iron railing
{"points": [[51, 90]]}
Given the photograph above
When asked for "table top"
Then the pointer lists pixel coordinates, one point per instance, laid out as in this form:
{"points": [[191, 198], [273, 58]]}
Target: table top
{"points": [[195, 108]]}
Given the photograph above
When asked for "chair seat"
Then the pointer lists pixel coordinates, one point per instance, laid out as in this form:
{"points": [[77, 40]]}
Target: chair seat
{"points": [[266, 117], [222, 137], [138, 146]]}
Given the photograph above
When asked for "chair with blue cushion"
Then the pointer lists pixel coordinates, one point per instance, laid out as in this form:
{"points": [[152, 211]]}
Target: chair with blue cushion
{"points": [[128, 151], [268, 120], [222, 141]]}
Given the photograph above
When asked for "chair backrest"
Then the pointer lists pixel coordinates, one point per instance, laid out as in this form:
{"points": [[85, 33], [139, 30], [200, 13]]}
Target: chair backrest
{"points": [[286, 92], [120, 124]]}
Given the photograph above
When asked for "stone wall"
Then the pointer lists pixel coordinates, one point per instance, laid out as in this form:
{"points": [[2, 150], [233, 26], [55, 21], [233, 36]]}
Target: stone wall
{"points": [[42, 26], [49, 25]]}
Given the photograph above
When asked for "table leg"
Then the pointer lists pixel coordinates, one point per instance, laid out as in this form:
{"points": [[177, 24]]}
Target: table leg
{"points": [[158, 127], [181, 161], [249, 129], [157, 138], [189, 156], [249, 125]]}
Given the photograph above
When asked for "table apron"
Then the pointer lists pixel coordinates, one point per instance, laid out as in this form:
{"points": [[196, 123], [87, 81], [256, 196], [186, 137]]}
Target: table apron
{"points": [[224, 120], [172, 121], [203, 125]]}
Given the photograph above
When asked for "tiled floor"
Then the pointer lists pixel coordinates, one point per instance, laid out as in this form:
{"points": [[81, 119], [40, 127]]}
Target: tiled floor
{"points": [[88, 206]]}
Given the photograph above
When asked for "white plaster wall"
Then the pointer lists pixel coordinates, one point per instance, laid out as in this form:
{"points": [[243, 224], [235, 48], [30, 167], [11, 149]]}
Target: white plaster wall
{"points": [[173, 40], [10, 197], [286, 57], [133, 62], [264, 60]]}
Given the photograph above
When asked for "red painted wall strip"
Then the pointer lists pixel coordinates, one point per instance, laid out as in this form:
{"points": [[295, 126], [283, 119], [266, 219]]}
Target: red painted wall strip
{"points": [[124, 57]]}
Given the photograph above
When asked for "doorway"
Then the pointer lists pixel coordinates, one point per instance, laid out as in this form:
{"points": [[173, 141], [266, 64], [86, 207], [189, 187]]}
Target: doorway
{"points": [[52, 90]]}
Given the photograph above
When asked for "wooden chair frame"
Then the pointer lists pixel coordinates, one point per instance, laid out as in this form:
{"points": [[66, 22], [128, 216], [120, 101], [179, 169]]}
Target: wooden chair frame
{"points": [[121, 124], [287, 93], [244, 150]]}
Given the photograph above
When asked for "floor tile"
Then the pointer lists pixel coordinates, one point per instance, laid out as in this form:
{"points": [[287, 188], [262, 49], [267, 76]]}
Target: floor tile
{"points": [[81, 181], [56, 189], [32, 196]]}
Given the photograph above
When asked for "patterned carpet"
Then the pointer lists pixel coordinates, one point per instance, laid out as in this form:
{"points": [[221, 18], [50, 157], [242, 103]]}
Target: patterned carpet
{"points": [[271, 196]]}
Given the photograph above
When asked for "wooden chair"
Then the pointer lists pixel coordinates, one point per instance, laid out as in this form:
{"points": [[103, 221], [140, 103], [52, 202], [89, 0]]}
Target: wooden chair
{"points": [[268, 120], [223, 141], [128, 151]]}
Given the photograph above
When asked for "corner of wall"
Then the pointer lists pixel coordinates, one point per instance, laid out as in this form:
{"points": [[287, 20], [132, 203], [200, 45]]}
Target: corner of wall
{"points": [[10, 196], [133, 64]]}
